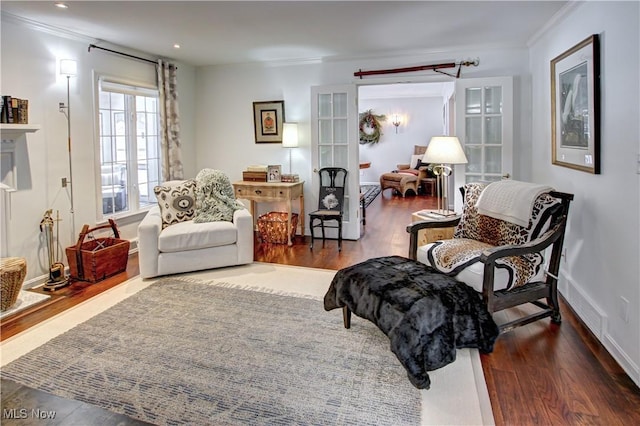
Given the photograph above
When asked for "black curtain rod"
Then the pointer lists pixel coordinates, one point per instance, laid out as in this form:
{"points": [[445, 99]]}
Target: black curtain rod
{"points": [[121, 53]]}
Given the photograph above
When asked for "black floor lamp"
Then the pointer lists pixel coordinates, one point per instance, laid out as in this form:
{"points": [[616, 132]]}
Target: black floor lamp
{"points": [[69, 68]]}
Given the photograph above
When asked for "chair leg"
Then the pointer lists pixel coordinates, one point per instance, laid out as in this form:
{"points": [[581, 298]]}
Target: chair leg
{"points": [[346, 317], [311, 229], [556, 317], [553, 302], [340, 235], [322, 227]]}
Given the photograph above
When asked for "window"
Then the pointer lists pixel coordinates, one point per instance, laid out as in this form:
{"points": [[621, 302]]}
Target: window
{"points": [[129, 138]]}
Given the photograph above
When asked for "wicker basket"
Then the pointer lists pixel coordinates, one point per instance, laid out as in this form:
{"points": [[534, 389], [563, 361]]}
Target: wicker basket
{"points": [[12, 273], [273, 227], [97, 259]]}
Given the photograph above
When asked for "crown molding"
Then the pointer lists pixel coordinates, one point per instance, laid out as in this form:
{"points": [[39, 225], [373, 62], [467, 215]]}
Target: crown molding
{"points": [[569, 7], [47, 29]]}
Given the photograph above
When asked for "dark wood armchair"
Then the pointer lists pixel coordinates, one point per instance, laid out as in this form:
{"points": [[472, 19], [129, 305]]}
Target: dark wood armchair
{"points": [[507, 263]]}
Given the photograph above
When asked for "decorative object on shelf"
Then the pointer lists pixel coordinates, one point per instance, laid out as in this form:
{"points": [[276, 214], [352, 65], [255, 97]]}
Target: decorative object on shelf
{"points": [[575, 107], [255, 173], [274, 173], [14, 110], [442, 151], [254, 176], [57, 278], [290, 139], [396, 121], [370, 127], [68, 68], [268, 120]]}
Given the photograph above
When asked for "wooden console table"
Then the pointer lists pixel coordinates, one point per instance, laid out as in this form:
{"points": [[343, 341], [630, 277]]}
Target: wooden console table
{"points": [[257, 192]]}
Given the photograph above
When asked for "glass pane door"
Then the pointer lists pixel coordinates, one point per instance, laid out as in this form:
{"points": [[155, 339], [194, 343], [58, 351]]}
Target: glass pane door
{"points": [[334, 144], [483, 127], [484, 117]]}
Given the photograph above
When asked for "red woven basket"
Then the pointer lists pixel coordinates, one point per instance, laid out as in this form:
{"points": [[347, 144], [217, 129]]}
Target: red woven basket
{"points": [[96, 259], [273, 227]]}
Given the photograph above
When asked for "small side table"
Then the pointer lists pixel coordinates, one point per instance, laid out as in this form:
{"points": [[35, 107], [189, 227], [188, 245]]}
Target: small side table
{"points": [[430, 184], [258, 192], [429, 235]]}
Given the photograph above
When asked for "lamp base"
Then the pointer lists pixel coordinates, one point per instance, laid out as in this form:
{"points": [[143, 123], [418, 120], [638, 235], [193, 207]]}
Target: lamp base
{"points": [[443, 213]]}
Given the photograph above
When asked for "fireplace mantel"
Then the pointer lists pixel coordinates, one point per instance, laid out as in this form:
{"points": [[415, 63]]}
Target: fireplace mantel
{"points": [[13, 132]]}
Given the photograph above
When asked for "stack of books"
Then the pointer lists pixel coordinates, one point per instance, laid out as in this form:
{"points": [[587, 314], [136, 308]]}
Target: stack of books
{"points": [[14, 110], [290, 178], [256, 173]]}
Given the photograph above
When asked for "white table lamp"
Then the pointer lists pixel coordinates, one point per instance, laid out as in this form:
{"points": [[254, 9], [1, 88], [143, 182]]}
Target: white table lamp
{"points": [[443, 151], [290, 138]]}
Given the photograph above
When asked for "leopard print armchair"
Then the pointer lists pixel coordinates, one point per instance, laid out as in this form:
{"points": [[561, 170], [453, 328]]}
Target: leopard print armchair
{"points": [[508, 263]]}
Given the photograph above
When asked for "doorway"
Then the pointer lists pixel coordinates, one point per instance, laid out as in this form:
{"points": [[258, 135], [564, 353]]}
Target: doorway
{"points": [[419, 111]]}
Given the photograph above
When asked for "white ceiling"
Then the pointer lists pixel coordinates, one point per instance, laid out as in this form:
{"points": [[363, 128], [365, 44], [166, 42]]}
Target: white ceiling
{"points": [[224, 32]]}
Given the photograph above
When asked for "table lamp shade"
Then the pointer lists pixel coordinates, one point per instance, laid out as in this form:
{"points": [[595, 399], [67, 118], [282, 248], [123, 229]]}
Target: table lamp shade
{"points": [[444, 150], [290, 135]]}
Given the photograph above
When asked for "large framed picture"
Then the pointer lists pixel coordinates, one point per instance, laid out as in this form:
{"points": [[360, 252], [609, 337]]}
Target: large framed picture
{"points": [[268, 118], [575, 107]]}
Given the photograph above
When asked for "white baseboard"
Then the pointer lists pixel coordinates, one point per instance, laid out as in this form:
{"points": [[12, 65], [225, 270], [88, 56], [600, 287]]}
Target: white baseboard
{"points": [[597, 321], [621, 357], [593, 317], [42, 279]]}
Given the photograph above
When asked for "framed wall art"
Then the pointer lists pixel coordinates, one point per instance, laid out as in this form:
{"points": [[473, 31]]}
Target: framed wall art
{"points": [[268, 118], [575, 107]]}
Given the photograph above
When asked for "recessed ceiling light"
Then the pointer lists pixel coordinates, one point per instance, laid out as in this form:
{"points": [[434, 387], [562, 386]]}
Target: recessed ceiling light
{"points": [[61, 5], [176, 46]]}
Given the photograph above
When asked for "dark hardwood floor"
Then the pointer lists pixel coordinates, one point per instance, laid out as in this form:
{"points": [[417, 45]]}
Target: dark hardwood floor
{"points": [[537, 374]]}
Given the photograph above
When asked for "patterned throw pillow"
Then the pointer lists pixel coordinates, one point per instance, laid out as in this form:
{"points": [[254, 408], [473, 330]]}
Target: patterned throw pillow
{"points": [[177, 199]]}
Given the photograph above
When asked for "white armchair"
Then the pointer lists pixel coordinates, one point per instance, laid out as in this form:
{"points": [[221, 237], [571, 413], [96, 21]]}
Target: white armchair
{"points": [[189, 246]]}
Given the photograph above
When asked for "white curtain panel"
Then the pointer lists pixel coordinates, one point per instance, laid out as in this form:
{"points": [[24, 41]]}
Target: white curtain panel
{"points": [[169, 122]]}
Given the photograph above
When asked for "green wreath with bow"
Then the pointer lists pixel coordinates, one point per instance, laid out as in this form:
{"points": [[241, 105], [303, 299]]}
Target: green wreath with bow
{"points": [[370, 127]]}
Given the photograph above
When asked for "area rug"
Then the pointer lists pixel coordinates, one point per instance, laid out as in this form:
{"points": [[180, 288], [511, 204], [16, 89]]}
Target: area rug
{"points": [[370, 193], [25, 300], [334, 379]]}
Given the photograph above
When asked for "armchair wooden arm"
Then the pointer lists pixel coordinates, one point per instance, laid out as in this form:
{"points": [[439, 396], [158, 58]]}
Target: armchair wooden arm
{"points": [[414, 227]]}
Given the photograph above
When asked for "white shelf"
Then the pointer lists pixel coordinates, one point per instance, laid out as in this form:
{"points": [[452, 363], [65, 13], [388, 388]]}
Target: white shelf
{"points": [[13, 131]]}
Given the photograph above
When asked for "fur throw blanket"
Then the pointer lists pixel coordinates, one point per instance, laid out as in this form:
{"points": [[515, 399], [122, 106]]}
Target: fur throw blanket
{"points": [[215, 198], [425, 314]]}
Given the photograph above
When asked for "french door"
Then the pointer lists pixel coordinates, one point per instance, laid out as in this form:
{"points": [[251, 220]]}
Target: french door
{"points": [[334, 143], [484, 126]]}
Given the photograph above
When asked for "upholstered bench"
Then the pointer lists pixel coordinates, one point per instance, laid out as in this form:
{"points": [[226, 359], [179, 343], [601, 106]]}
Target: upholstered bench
{"points": [[401, 182], [426, 315]]}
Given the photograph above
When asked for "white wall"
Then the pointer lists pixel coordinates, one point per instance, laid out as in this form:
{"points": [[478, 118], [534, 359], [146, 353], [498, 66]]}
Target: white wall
{"points": [[602, 244], [421, 119], [224, 126], [29, 71]]}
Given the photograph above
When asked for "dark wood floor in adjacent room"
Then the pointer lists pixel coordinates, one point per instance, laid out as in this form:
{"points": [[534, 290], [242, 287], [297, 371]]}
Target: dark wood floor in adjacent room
{"points": [[537, 374]]}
